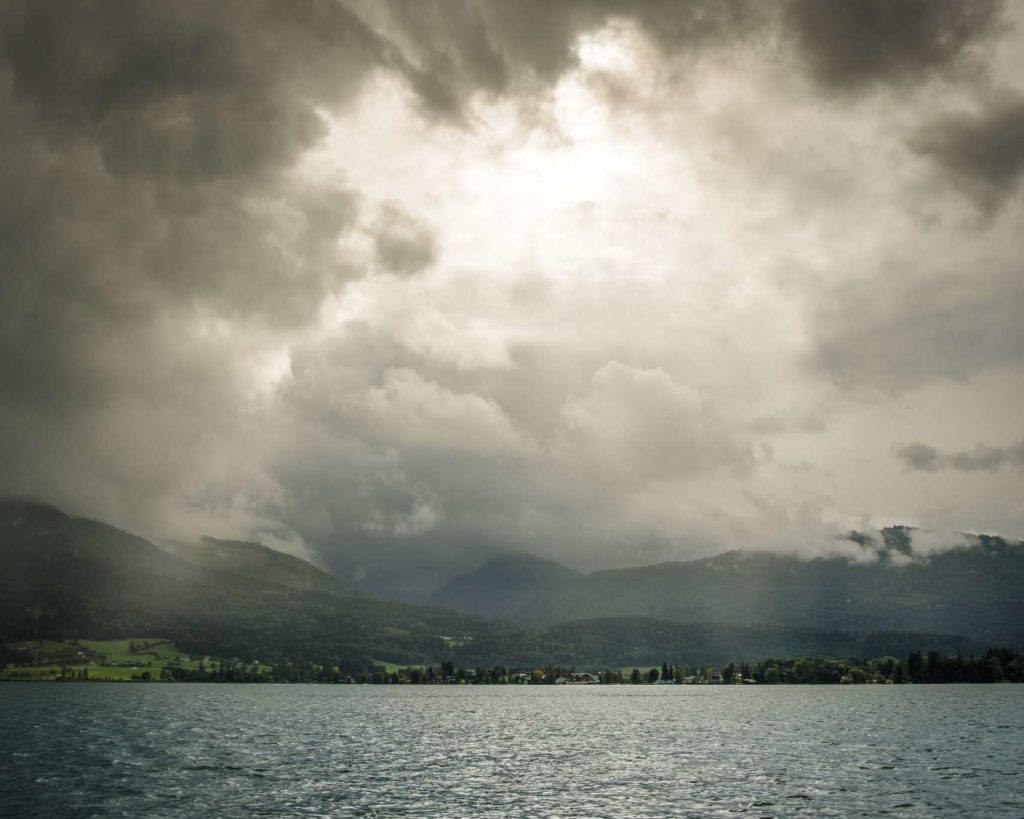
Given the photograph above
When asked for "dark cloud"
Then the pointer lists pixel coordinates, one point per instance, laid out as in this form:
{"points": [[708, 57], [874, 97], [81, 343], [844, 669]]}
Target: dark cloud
{"points": [[917, 456], [983, 153], [983, 458], [153, 234], [851, 45], [148, 143], [402, 244], [211, 91], [699, 24], [898, 329], [988, 458], [448, 51], [188, 91]]}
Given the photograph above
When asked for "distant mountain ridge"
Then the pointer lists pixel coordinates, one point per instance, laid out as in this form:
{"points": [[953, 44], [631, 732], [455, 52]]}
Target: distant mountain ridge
{"points": [[506, 585], [64, 577], [977, 591]]}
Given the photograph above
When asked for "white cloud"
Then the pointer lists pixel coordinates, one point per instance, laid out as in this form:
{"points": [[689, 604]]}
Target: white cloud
{"points": [[640, 425]]}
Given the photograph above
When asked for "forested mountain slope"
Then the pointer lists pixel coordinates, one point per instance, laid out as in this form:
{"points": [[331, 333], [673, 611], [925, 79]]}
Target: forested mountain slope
{"points": [[976, 590]]}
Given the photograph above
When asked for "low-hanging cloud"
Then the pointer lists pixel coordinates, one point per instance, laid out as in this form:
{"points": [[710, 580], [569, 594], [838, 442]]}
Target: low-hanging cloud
{"points": [[982, 458]]}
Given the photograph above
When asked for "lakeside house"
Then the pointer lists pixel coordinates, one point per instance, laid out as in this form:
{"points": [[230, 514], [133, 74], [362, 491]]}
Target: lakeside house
{"points": [[579, 678]]}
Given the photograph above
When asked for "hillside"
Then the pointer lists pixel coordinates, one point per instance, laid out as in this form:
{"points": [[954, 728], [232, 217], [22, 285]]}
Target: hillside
{"points": [[976, 591], [506, 585], [258, 562], [64, 577], [643, 641]]}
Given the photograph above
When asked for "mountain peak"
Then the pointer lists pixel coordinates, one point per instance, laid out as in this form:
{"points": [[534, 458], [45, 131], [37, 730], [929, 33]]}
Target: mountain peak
{"points": [[505, 584]]}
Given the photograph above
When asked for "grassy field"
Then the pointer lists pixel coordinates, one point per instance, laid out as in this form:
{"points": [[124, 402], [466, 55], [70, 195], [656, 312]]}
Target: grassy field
{"points": [[111, 660], [152, 649], [51, 672], [391, 668]]}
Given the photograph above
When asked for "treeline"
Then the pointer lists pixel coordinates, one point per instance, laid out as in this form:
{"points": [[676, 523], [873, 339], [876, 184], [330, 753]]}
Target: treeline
{"points": [[994, 666], [997, 665], [643, 642]]}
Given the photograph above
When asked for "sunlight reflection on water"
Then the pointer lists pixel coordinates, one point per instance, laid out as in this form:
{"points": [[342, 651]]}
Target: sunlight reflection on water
{"points": [[189, 750]]}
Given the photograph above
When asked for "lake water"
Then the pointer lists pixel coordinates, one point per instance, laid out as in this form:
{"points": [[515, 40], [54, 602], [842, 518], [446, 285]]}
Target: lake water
{"points": [[109, 750]]}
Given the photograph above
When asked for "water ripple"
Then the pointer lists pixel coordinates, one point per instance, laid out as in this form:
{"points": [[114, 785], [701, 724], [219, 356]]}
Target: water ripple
{"points": [[312, 751]]}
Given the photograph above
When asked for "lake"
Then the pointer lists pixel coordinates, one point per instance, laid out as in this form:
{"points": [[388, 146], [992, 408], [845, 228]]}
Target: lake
{"points": [[103, 750]]}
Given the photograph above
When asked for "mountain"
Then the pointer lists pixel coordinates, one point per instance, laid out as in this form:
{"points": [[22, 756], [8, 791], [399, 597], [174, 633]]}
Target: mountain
{"points": [[258, 562], [977, 591], [506, 585], [64, 577]]}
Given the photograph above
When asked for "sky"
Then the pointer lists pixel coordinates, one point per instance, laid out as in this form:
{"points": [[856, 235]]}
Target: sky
{"points": [[394, 286]]}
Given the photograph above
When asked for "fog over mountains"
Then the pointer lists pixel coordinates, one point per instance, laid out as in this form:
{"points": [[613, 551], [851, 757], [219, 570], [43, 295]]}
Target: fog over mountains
{"points": [[63, 577], [976, 590]]}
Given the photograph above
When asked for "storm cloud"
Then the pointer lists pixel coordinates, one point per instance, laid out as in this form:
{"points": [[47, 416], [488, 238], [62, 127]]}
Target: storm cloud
{"points": [[982, 457], [983, 153], [397, 286], [853, 46]]}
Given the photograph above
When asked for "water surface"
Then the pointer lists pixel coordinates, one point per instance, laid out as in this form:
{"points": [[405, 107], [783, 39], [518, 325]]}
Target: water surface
{"points": [[104, 750]]}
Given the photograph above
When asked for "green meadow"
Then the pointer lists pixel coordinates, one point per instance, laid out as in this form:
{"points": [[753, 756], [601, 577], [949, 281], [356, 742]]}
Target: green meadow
{"points": [[106, 660], [394, 668]]}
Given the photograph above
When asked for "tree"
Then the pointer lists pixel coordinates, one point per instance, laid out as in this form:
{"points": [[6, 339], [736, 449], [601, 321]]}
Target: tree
{"points": [[804, 671], [915, 666], [652, 675]]}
